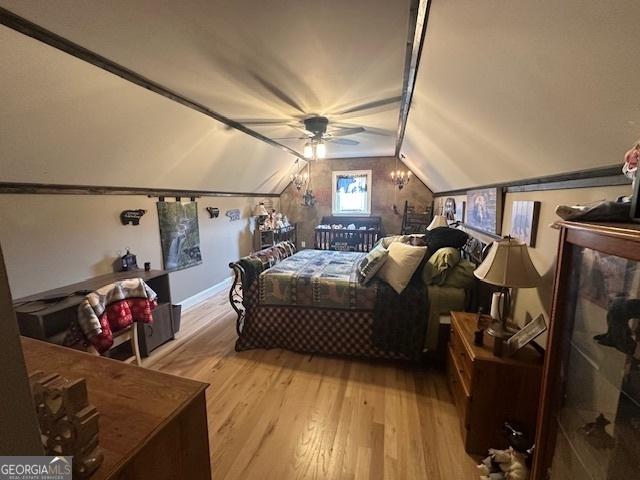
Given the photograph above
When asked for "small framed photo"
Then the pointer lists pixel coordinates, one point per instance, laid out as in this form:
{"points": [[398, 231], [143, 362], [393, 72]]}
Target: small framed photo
{"points": [[524, 221], [526, 334]]}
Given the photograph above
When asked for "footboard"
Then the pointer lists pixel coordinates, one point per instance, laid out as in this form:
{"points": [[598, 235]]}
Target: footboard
{"points": [[236, 295]]}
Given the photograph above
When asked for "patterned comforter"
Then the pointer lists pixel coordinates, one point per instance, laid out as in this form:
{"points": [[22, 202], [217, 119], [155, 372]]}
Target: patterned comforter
{"points": [[317, 278]]}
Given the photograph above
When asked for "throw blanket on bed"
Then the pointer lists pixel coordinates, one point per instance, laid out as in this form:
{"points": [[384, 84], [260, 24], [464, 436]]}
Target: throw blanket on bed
{"points": [[400, 321], [317, 278], [110, 309]]}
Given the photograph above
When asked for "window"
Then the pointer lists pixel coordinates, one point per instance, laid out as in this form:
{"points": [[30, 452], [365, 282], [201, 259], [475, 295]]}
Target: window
{"points": [[352, 193]]}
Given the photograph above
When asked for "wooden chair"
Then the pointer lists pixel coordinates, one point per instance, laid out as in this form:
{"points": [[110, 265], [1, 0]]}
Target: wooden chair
{"points": [[129, 334]]}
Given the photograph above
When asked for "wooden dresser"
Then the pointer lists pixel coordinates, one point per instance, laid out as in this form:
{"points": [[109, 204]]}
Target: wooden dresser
{"points": [[152, 425], [488, 390]]}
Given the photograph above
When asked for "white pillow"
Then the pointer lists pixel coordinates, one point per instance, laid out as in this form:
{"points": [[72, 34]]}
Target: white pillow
{"points": [[402, 261]]}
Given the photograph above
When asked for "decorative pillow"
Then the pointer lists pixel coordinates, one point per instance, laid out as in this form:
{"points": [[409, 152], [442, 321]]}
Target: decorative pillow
{"points": [[438, 264], [441, 237], [370, 264], [386, 241], [402, 261], [460, 276]]}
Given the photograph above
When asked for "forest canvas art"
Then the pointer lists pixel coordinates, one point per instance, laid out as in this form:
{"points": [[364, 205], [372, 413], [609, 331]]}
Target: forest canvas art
{"points": [[179, 234]]}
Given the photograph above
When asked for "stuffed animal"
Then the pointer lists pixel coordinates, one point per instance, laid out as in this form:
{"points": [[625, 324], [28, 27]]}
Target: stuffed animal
{"points": [[504, 465]]}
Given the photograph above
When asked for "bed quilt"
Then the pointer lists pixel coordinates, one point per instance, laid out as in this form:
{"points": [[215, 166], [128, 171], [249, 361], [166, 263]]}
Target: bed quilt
{"points": [[317, 278]]}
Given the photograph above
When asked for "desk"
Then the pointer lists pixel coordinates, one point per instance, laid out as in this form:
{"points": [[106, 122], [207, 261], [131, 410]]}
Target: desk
{"points": [[152, 425]]}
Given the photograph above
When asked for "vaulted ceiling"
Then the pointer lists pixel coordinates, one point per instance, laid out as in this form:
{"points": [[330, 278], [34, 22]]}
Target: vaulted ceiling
{"points": [[504, 91], [266, 64]]}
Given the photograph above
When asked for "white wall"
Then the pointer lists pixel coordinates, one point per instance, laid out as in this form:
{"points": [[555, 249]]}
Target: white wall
{"points": [[53, 240]]}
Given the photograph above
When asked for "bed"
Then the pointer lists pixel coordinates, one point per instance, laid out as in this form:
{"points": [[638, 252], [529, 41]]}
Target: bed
{"points": [[313, 302]]}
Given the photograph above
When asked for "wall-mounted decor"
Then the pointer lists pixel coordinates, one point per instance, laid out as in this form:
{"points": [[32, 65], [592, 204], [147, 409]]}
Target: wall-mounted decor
{"points": [[484, 210], [233, 214], [131, 216], [179, 234], [309, 199], [524, 221], [214, 212], [450, 208]]}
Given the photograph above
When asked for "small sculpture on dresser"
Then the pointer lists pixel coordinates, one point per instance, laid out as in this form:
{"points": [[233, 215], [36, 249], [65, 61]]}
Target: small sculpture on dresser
{"points": [[68, 424]]}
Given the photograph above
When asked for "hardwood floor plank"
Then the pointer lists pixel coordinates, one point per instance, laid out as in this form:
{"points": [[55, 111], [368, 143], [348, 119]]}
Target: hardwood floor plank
{"points": [[280, 415]]}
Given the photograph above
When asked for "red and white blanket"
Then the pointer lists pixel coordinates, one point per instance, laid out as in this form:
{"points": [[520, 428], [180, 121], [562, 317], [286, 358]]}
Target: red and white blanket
{"points": [[110, 309]]}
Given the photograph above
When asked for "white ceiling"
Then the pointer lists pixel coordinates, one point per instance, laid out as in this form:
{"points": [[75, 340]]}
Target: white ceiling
{"points": [[255, 60], [514, 90], [65, 121]]}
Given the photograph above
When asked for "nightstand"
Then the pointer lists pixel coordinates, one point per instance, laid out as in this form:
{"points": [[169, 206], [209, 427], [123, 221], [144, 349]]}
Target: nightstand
{"points": [[489, 390]]}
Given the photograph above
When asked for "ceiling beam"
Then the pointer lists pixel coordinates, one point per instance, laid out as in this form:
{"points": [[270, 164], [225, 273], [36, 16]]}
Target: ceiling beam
{"points": [[418, 16], [13, 188], [26, 27]]}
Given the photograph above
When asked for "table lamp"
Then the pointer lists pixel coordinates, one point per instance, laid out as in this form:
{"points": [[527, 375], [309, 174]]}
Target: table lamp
{"points": [[507, 265], [438, 221]]}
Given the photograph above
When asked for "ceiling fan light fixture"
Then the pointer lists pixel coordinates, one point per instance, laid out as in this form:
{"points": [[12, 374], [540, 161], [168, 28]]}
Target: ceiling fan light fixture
{"points": [[321, 150], [308, 150]]}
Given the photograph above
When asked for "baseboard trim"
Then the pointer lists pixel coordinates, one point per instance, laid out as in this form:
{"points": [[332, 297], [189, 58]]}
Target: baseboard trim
{"points": [[200, 297]]}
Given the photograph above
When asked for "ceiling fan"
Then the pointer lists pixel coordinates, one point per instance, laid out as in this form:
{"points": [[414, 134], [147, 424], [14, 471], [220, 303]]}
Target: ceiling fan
{"points": [[318, 130]]}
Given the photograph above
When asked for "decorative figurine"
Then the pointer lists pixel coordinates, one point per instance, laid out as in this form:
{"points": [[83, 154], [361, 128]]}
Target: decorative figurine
{"points": [[68, 424], [596, 434], [618, 334]]}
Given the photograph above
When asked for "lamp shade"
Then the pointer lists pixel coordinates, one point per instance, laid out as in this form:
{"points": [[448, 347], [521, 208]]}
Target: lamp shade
{"points": [[508, 265], [260, 211], [438, 221]]}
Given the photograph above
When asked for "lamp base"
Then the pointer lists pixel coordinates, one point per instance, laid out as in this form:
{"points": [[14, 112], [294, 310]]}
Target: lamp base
{"points": [[497, 329]]}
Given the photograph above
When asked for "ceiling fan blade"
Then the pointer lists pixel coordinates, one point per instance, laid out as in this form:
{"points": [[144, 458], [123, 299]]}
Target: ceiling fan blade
{"points": [[370, 130], [370, 105], [252, 121], [282, 96], [341, 132], [342, 141], [290, 138]]}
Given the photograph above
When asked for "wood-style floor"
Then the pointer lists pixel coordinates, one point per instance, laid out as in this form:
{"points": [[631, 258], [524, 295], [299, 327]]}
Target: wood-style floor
{"points": [[281, 415]]}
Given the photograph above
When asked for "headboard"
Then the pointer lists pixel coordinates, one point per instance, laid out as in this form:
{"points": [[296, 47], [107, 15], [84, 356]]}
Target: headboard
{"points": [[476, 250]]}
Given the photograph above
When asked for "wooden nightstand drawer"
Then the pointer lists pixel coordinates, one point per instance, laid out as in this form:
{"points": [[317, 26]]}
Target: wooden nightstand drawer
{"points": [[459, 390], [463, 361]]}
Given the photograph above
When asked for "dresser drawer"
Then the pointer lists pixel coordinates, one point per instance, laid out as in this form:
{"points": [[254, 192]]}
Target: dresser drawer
{"points": [[463, 361], [459, 391]]}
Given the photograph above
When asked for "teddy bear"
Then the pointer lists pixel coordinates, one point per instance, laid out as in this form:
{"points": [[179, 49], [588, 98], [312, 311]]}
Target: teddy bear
{"points": [[504, 465]]}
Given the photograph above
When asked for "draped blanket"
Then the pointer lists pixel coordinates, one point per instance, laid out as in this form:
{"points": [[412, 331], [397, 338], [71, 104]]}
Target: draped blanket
{"points": [[110, 309], [317, 278]]}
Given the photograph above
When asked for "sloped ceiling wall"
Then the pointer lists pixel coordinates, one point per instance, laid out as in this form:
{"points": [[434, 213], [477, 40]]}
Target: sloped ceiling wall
{"points": [[515, 90], [256, 60], [66, 121]]}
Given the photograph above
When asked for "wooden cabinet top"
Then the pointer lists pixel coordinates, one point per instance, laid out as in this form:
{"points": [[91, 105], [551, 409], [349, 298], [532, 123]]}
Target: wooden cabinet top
{"points": [[69, 290], [465, 324], [134, 403]]}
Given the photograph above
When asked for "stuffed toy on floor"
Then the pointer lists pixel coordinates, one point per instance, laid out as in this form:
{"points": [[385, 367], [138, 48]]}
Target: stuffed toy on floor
{"points": [[504, 465]]}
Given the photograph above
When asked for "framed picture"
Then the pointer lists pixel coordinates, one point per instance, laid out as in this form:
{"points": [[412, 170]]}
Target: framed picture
{"points": [[484, 210], [526, 334], [179, 234], [524, 221]]}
